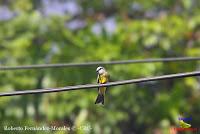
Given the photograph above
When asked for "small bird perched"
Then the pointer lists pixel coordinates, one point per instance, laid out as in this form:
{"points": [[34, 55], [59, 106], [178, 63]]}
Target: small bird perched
{"points": [[184, 124], [102, 78]]}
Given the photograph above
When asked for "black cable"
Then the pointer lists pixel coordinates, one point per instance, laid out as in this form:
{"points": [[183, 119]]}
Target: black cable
{"points": [[98, 63], [88, 86]]}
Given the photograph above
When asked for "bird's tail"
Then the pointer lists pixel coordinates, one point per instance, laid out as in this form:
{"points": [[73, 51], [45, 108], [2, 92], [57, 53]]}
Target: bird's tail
{"points": [[100, 99]]}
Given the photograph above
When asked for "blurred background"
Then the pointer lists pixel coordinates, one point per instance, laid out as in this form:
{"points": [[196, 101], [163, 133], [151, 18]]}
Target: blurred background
{"points": [[61, 31]]}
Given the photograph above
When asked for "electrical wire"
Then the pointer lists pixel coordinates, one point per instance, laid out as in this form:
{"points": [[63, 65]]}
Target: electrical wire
{"points": [[42, 66], [89, 86]]}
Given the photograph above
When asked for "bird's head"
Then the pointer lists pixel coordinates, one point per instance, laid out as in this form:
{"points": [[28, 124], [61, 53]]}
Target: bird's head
{"points": [[100, 70]]}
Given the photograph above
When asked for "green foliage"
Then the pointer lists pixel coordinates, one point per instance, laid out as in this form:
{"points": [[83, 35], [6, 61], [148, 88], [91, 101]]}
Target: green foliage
{"points": [[32, 38]]}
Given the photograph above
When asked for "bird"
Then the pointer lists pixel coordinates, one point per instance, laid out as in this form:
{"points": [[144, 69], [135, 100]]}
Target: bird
{"points": [[184, 124], [102, 78]]}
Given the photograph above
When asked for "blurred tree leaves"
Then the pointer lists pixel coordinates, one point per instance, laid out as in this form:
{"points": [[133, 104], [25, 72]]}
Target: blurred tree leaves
{"points": [[31, 37]]}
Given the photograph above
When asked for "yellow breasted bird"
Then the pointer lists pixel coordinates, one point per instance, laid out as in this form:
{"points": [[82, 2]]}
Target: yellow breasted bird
{"points": [[184, 124], [102, 78]]}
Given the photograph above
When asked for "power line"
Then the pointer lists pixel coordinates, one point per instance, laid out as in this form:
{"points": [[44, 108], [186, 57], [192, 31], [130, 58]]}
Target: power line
{"points": [[89, 86], [42, 66]]}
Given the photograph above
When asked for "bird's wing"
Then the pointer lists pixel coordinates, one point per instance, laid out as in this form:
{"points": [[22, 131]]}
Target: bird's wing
{"points": [[98, 78], [98, 81]]}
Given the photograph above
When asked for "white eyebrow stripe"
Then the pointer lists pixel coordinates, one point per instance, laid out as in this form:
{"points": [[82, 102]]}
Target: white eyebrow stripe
{"points": [[99, 69]]}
